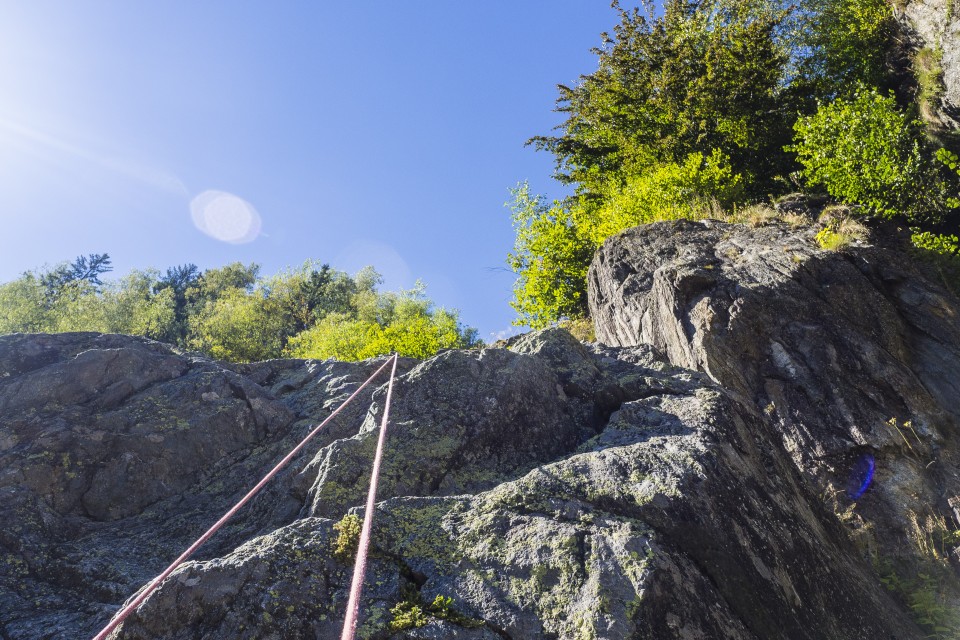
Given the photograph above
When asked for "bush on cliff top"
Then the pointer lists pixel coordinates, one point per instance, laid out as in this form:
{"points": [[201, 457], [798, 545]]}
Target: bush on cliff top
{"points": [[696, 108], [865, 150]]}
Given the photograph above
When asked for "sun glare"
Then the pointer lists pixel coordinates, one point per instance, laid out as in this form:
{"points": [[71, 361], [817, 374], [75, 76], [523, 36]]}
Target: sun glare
{"points": [[225, 217]]}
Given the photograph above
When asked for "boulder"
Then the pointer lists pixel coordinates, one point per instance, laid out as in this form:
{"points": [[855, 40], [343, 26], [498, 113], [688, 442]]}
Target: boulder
{"points": [[851, 358]]}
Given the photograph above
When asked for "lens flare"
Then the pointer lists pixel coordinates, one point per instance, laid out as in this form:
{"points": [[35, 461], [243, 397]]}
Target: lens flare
{"points": [[861, 475], [225, 217]]}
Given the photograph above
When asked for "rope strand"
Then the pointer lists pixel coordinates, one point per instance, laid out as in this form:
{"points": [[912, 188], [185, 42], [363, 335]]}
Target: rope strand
{"points": [[360, 567], [152, 586]]}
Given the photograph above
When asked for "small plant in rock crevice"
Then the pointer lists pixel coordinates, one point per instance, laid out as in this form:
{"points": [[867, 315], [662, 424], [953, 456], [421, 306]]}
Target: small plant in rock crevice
{"points": [[412, 612], [923, 596], [348, 538], [841, 233]]}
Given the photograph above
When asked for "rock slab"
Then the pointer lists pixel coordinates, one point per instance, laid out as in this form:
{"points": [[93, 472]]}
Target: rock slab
{"points": [[689, 479]]}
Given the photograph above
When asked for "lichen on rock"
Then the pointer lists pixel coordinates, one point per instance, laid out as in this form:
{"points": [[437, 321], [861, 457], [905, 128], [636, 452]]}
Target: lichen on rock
{"points": [[690, 478]]}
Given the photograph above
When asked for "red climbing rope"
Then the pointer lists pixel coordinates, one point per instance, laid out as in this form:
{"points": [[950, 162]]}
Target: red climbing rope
{"points": [[360, 567], [146, 591]]}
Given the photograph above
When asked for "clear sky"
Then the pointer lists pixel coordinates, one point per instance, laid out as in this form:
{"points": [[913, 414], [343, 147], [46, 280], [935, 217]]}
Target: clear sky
{"points": [[383, 133]]}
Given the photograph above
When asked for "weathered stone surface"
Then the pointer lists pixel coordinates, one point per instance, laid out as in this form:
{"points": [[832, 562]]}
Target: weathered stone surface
{"points": [[687, 480], [847, 356], [116, 452], [935, 25]]}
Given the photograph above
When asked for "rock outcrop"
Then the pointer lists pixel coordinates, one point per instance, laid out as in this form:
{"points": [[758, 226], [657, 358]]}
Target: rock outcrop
{"points": [[934, 25], [696, 478], [852, 358]]}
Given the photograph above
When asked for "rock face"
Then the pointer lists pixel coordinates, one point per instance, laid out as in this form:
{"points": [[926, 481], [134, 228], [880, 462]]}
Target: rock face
{"points": [[692, 481], [935, 25], [852, 358]]}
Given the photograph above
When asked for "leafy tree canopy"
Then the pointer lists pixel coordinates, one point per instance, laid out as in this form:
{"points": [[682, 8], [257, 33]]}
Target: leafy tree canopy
{"points": [[85, 269], [704, 76], [233, 313], [713, 105], [405, 322]]}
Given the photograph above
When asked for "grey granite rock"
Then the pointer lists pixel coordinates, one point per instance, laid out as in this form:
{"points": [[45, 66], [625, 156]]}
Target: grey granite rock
{"points": [[687, 479], [851, 358]]}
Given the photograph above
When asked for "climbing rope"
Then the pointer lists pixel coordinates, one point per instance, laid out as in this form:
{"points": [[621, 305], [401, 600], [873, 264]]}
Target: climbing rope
{"points": [[152, 586], [360, 566]]}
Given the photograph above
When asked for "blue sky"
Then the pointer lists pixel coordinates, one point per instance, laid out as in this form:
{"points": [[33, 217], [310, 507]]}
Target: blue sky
{"points": [[383, 133]]}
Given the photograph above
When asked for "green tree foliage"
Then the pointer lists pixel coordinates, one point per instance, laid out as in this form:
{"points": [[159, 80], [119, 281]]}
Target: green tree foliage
{"points": [[550, 257], [705, 75], [952, 162], [693, 111], [696, 188], [126, 306], [404, 322], [213, 283], [844, 43], [24, 305], [865, 150], [942, 251], [238, 316], [85, 270], [238, 325], [232, 313], [338, 335], [554, 244], [179, 281], [685, 114]]}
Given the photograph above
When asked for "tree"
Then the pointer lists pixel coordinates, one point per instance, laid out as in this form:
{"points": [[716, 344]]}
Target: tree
{"points": [[842, 44], [692, 111], [84, 269], [213, 283], [404, 322], [309, 293], [125, 306], [698, 187], [687, 113], [707, 75], [338, 335], [24, 305], [233, 314], [178, 281], [239, 326], [550, 257], [89, 268]]}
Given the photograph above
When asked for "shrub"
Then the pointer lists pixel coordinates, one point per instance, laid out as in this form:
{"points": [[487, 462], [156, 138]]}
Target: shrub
{"points": [[866, 151], [348, 538], [952, 162], [550, 257], [939, 244], [696, 188], [412, 612], [554, 244], [407, 614]]}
